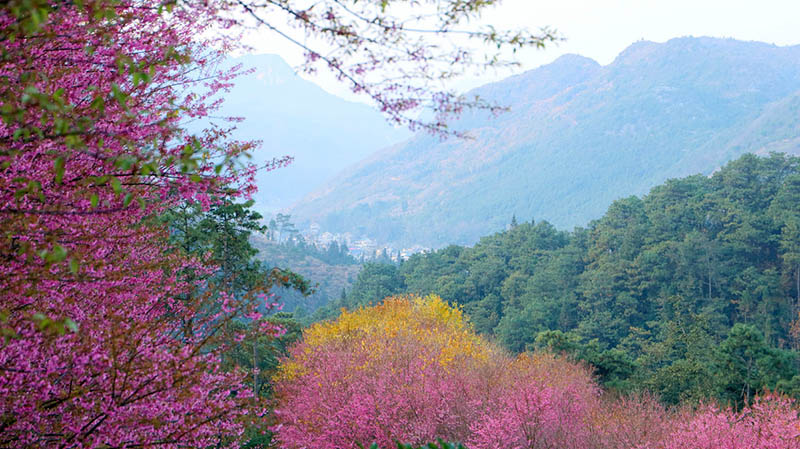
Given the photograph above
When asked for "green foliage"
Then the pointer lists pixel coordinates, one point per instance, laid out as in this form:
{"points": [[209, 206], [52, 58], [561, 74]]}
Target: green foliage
{"points": [[260, 356], [690, 291], [614, 366], [748, 365], [223, 234], [375, 282], [330, 270]]}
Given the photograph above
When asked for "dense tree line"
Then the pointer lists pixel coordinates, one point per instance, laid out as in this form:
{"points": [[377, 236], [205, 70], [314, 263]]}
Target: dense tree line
{"points": [[329, 270], [298, 248], [691, 291]]}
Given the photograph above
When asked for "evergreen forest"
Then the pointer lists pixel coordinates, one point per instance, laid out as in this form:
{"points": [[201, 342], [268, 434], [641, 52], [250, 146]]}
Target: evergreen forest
{"points": [[689, 292]]}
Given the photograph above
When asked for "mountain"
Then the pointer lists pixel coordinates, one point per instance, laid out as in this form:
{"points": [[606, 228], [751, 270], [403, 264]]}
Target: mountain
{"points": [[578, 136], [295, 117]]}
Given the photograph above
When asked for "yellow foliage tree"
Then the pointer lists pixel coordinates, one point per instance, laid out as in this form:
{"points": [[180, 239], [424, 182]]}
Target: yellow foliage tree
{"points": [[411, 369]]}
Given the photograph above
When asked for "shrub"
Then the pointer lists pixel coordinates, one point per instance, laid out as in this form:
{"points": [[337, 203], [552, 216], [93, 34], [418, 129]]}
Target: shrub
{"points": [[771, 422], [412, 369], [541, 402]]}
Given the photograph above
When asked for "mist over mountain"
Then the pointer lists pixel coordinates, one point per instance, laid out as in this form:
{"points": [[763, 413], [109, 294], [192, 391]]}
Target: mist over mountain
{"points": [[579, 135], [295, 117]]}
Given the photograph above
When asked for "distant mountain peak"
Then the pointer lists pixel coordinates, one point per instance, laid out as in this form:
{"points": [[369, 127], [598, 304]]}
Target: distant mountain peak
{"points": [[636, 52], [270, 60], [268, 69], [562, 67], [573, 59]]}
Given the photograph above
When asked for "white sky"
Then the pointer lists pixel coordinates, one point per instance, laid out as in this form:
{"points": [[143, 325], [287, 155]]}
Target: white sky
{"points": [[601, 29]]}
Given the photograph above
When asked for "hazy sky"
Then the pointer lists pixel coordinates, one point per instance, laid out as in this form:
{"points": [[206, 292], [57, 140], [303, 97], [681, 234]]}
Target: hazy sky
{"points": [[601, 29]]}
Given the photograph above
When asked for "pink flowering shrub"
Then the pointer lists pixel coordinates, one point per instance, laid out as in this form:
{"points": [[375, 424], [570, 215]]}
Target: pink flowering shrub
{"points": [[628, 422], [540, 402], [405, 369], [771, 422]]}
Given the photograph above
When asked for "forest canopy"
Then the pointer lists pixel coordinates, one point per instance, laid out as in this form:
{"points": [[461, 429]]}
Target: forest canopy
{"points": [[691, 291]]}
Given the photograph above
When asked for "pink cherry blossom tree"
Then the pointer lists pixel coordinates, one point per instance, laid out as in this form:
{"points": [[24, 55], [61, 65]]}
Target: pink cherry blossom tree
{"points": [[110, 336], [540, 402], [107, 342], [770, 422], [411, 370]]}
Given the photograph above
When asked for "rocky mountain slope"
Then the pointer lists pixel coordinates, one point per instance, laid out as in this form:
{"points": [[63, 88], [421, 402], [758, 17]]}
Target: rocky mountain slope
{"points": [[579, 135]]}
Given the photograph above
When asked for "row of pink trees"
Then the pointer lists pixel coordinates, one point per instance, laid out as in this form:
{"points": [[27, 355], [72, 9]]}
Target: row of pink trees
{"points": [[771, 422], [412, 370]]}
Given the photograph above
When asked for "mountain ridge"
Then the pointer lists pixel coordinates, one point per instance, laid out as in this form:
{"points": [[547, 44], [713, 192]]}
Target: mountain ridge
{"points": [[578, 136]]}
